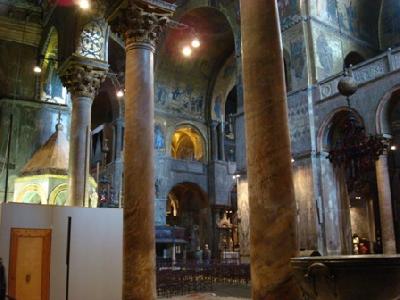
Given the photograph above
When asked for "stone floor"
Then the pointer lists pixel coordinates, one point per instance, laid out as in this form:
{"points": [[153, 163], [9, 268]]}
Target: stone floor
{"points": [[222, 292]]}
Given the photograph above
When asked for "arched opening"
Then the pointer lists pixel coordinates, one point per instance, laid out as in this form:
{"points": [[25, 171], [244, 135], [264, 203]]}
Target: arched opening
{"points": [[230, 112], [52, 89], [32, 197], [350, 189], [59, 195], [32, 194], [188, 207], [352, 59], [187, 144]]}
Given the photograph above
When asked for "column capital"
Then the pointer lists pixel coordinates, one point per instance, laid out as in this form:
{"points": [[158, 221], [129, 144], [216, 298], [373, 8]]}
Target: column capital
{"points": [[140, 22], [83, 76]]}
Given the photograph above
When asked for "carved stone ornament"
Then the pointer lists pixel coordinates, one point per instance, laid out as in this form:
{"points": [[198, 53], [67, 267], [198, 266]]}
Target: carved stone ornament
{"points": [[141, 22], [83, 77]]}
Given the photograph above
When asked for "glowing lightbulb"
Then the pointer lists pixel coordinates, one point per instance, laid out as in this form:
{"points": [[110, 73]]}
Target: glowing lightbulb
{"points": [[292, 160], [187, 51], [120, 93], [196, 43], [37, 69], [84, 4], [393, 148]]}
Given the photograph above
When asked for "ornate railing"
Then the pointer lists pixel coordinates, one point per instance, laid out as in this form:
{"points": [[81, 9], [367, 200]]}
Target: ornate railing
{"points": [[184, 278], [363, 73]]}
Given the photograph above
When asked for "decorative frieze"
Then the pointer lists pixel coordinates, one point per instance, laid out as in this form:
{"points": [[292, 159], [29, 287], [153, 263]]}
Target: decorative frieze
{"points": [[366, 72]]}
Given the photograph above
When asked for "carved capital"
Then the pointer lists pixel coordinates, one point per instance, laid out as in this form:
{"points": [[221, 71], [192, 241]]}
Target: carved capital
{"points": [[141, 22], [83, 77]]}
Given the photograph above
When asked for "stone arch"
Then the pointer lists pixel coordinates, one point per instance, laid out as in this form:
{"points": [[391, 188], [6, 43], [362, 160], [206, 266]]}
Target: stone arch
{"points": [[345, 211], [225, 81], [324, 129], [32, 192], [187, 141], [58, 195], [192, 213], [382, 112]]}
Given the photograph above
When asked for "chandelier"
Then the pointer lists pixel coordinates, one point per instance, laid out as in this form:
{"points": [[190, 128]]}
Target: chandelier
{"points": [[355, 150]]}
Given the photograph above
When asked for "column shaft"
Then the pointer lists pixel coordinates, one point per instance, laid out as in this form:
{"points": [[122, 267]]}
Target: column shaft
{"points": [[139, 242], [79, 155], [214, 141], [385, 205], [221, 141], [271, 193]]}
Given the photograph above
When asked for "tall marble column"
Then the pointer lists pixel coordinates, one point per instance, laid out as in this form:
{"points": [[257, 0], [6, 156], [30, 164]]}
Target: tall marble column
{"points": [[385, 205], [271, 194], [82, 78], [139, 23]]}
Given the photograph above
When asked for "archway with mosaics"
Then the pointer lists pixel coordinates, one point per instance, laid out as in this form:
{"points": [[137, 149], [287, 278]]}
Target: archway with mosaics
{"points": [[188, 144]]}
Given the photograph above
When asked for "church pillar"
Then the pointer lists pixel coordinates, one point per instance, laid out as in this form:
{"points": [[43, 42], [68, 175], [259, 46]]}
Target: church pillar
{"points": [[82, 78], [221, 141], [214, 141], [119, 124], [271, 195], [139, 23], [385, 205]]}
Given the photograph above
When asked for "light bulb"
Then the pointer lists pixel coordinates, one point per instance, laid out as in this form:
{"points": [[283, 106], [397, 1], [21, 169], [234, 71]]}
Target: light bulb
{"points": [[37, 69], [187, 51], [196, 43], [120, 93], [292, 160], [393, 148], [84, 4]]}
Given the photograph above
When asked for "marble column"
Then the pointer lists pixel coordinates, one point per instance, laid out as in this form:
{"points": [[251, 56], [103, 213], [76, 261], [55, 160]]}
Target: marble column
{"points": [[139, 23], [385, 205], [82, 78], [273, 238]]}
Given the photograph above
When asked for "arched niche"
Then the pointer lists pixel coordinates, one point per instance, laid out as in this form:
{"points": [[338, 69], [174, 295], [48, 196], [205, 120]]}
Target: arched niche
{"points": [[352, 59], [187, 144]]}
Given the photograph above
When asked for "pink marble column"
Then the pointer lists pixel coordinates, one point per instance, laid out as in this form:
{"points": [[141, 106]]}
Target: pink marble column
{"points": [[385, 205], [82, 77], [140, 24], [271, 194]]}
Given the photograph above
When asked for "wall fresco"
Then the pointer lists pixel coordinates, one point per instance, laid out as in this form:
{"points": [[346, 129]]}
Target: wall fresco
{"points": [[181, 99]]}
